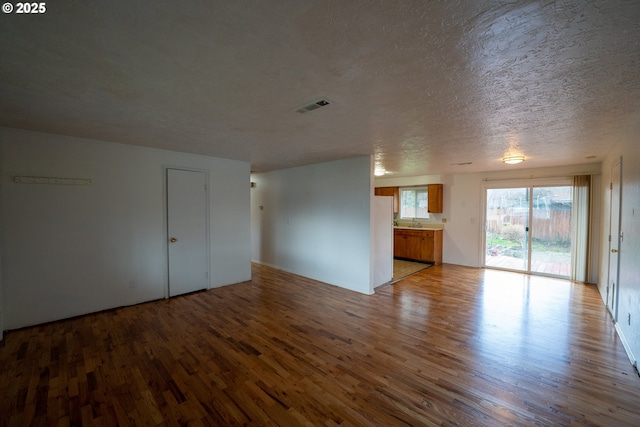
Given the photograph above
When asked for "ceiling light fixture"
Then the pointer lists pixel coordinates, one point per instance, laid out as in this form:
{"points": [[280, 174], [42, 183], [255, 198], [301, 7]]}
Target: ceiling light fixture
{"points": [[513, 160], [379, 171]]}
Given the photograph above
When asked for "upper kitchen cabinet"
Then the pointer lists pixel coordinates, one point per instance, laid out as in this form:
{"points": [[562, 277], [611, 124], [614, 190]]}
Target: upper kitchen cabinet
{"points": [[390, 191], [435, 198]]}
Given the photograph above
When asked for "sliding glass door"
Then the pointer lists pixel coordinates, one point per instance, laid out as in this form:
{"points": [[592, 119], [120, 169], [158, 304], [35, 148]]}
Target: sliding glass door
{"points": [[506, 231], [529, 229], [551, 230]]}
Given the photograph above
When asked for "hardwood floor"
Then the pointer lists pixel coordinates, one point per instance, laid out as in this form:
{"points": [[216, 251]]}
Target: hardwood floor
{"points": [[447, 346]]}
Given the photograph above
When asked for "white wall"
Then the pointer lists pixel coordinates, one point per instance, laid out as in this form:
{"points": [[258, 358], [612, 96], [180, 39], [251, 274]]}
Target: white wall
{"points": [[1, 287], [315, 221], [629, 255], [407, 181], [70, 250], [462, 205]]}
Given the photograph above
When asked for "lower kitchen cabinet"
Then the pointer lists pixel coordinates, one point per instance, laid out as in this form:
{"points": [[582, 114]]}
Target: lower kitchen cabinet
{"points": [[418, 245]]}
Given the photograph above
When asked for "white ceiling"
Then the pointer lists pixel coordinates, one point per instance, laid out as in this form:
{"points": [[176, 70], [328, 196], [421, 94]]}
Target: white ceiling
{"points": [[420, 85]]}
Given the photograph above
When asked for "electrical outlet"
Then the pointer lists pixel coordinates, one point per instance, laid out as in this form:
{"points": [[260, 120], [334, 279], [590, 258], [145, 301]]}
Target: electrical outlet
{"points": [[132, 283]]}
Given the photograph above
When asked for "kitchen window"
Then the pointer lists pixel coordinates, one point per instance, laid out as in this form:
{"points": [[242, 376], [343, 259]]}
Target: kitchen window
{"points": [[414, 203]]}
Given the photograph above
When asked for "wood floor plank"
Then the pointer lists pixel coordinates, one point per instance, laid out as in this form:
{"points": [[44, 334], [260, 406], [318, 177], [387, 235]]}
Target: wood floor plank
{"points": [[448, 346]]}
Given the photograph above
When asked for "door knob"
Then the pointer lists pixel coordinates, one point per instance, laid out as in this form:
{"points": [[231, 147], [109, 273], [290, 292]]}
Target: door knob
{"points": [[173, 240], [614, 251]]}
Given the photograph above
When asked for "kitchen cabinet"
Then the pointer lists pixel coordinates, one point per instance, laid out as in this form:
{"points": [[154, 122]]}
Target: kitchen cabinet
{"points": [[390, 191], [435, 198], [418, 245]]}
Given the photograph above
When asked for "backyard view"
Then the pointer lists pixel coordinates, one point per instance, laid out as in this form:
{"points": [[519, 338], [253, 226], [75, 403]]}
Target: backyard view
{"points": [[512, 239]]}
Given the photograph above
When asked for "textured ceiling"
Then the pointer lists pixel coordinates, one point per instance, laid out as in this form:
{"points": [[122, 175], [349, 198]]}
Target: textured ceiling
{"points": [[420, 85]]}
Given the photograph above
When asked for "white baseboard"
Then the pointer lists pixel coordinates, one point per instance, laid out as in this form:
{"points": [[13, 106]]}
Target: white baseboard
{"points": [[277, 267], [626, 346]]}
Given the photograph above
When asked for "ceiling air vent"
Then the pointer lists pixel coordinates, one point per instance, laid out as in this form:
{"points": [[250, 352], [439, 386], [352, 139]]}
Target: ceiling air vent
{"points": [[314, 105]]}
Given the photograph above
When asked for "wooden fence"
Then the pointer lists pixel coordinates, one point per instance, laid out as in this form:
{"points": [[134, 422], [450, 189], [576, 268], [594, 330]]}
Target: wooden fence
{"points": [[548, 225]]}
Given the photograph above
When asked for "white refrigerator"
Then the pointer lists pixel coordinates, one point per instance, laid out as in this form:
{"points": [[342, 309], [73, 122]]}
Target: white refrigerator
{"points": [[382, 237]]}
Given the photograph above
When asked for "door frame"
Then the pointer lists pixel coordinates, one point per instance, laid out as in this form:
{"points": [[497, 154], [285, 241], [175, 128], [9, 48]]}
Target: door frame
{"points": [[483, 230], [613, 309], [165, 215], [559, 181]]}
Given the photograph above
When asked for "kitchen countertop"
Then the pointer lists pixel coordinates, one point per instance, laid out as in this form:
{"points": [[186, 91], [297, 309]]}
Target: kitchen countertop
{"points": [[424, 227]]}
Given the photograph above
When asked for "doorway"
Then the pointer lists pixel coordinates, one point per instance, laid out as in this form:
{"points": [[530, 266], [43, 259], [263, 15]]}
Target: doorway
{"points": [[614, 240], [528, 228], [187, 247]]}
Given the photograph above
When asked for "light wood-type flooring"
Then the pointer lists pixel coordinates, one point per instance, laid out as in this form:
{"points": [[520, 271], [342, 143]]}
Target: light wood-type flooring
{"points": [[447, 346]]}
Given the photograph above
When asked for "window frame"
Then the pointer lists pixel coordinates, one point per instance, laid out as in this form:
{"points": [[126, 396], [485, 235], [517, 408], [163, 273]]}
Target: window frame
{"points": [[415, 190]]}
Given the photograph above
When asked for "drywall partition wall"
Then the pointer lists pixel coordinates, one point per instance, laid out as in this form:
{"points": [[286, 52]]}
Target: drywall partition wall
{"points": [[74, 249], [315, 221], [628, 325], [230, 222], [461, 240], [407, 181]]}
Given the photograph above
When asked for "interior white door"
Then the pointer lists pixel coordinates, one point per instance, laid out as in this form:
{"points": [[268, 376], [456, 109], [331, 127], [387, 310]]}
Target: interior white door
{"points": [[614, 241], [187, 231]]}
